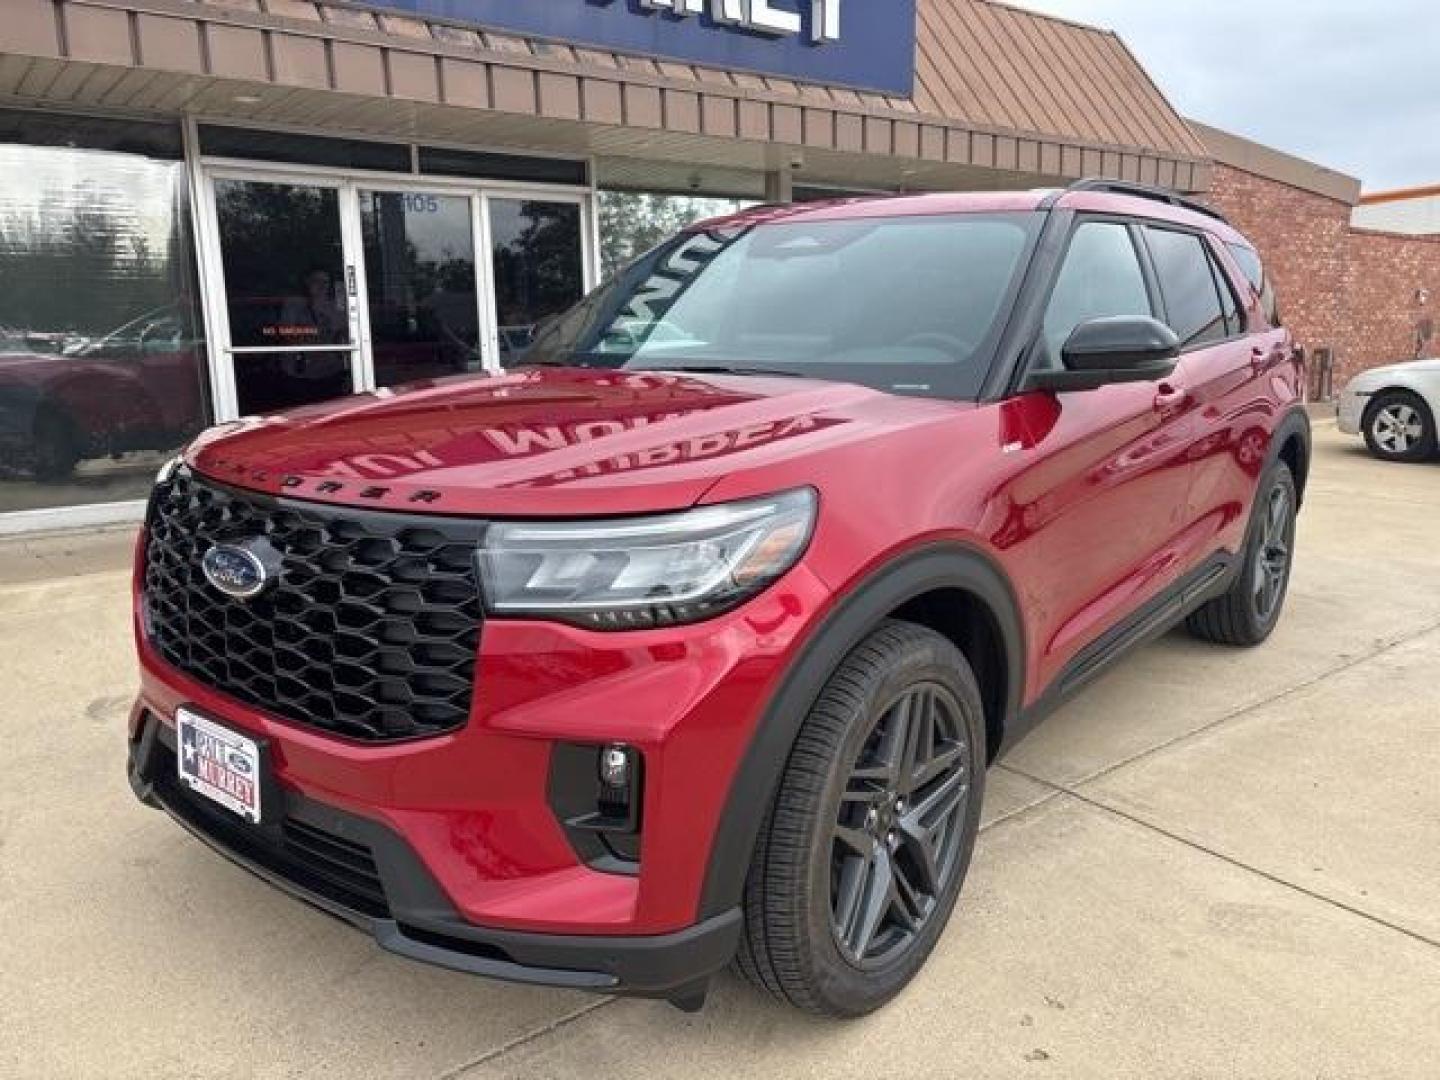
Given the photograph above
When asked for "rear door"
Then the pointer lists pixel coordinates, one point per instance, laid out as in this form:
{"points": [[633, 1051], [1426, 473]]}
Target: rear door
{"points": [[1224, 369], [1111, 475]]}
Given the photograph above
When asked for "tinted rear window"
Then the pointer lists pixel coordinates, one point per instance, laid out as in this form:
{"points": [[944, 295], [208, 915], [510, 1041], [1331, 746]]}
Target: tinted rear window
{"points": [[1187, 282], [1254, 270]]}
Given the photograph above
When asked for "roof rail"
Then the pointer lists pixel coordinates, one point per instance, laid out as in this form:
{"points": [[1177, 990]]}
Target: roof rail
{"points": [[1143, 191]]}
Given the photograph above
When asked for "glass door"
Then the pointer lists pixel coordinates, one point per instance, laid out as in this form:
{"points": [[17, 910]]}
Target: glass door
{"points": [[289, 285], [421, 291], [538, 266], [321, 285]]}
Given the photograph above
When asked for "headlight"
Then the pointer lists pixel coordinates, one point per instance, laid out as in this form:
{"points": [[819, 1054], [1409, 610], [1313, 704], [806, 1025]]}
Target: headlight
{"points": [[652, 571]]}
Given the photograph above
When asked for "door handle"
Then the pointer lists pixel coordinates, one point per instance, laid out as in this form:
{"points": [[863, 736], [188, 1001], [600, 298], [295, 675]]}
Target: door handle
{"points": [[1260, 360], [1170, 398]]}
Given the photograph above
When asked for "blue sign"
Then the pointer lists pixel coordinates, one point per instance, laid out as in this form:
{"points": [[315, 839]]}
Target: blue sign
{"points": [[861, 44]]}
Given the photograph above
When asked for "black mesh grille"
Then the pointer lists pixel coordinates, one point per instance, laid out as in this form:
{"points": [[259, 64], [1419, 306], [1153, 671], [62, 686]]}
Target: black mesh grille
{"points": [[370, 631]]}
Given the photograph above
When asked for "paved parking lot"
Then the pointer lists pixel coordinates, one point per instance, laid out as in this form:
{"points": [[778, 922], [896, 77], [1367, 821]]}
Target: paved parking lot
{"points": [[1213, 863]]}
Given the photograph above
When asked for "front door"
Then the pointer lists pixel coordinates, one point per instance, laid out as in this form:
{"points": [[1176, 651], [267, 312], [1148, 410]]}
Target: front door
{"points": [[288, 274], [1117, 482]]}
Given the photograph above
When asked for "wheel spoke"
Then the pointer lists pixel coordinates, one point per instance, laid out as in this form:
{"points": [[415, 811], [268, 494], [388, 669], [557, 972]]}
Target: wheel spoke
{"points": [[909, 906], [937, 766], [1275, 527], [848, 894], [940, 803], [864, 788], [920, 848], [895, 744], [875, 894], [857, 840], [921, 717]]}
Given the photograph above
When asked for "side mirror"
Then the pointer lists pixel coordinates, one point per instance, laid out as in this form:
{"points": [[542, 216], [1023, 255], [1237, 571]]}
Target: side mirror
{"points": [[1111, 350]]}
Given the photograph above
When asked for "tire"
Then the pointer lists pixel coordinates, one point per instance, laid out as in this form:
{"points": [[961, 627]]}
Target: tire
{"points": [[1248, 612], [1399, 426], [807, 888], [57, 448]]}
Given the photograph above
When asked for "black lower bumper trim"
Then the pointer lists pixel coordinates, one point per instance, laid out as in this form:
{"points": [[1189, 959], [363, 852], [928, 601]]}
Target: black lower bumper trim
{"points": [[420, 922]]}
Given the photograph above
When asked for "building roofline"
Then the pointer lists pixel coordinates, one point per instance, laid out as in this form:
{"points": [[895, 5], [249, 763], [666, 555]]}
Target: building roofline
{"points": [[1422, 191], [1245, 154]]}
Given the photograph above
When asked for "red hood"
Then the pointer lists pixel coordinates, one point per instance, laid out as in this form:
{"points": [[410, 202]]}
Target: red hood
{"points": [[31, 369], [547, 441]]}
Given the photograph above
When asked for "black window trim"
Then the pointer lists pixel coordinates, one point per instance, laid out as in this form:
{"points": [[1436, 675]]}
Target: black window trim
{"points": [[1223, 282]]}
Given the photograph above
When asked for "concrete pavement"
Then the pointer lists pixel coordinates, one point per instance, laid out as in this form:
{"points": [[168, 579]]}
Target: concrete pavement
{"points": [[1213, 863]]}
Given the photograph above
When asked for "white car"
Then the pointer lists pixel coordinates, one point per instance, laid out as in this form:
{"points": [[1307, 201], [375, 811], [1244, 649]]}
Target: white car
{"points": [[1394, 407]]}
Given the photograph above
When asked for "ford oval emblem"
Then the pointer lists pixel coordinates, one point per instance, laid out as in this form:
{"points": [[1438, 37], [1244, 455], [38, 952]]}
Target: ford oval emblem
{"points": [[235, 571]]}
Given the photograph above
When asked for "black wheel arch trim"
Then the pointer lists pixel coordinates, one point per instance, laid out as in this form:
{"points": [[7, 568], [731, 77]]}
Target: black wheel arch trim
{"points": [[946, 565], [1294, 424]]}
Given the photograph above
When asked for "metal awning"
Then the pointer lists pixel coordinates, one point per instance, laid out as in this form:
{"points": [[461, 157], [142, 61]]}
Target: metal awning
{"points": [[1003, 96]]}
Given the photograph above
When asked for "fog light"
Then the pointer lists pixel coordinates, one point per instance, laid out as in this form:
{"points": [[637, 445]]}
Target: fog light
{"points": [[597, 791], [615, 767]]}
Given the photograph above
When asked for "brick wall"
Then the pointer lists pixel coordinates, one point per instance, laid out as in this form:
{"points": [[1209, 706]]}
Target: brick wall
{"points": [[1301, 238], [1349, 290], [1388, 314]]}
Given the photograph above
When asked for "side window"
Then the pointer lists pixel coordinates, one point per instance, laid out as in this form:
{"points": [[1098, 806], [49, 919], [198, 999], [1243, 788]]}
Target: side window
{"points": [[1249, 262], [1100, 276], [1188, 284]]}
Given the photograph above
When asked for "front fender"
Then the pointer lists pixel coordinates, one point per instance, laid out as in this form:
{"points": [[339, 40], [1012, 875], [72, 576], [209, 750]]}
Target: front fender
{"points": [[935, 566]]}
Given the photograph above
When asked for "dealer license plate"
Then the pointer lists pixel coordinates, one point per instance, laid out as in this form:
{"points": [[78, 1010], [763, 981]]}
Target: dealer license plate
{"points": [[218, 763]]}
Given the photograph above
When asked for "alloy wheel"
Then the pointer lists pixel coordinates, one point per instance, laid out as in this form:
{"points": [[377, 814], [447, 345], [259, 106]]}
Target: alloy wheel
{"points": [[897, 836], [1272, 560], [1398, 428]]}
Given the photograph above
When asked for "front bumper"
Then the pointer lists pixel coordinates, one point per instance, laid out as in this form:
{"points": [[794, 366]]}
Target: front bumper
{"points": [[1349, 411], [364, 873]]}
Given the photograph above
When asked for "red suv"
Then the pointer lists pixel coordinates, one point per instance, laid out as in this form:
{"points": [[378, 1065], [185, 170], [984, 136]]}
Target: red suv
{"points": [[690, 642]]}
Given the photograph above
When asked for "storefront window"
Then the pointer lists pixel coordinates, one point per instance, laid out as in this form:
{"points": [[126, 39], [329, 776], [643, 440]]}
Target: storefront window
{"points": [[631, 223], [102, 357]]}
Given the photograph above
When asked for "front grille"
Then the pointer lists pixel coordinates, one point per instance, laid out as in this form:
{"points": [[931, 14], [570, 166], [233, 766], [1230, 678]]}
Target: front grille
{"points": [[370, 631], [348, 865]]}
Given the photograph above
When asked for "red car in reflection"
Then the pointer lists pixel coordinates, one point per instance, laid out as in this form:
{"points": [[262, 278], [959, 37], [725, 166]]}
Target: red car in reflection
{"points": [[690, 641], [64, 399]]}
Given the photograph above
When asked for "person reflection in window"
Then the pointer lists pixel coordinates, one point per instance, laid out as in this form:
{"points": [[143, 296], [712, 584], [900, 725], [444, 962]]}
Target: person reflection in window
{"points": [[315, 317]]}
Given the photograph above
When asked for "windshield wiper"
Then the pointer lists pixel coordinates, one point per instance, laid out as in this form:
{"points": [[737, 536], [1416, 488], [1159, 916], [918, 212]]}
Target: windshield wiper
{"points": [[724, 369]]}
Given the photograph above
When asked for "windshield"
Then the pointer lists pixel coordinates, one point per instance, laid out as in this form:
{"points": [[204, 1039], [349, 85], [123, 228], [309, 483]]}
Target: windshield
{"points": [[902, 304]]}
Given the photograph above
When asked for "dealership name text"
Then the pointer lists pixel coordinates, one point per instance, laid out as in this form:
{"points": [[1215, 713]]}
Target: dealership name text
{"points": [[758, 15]]}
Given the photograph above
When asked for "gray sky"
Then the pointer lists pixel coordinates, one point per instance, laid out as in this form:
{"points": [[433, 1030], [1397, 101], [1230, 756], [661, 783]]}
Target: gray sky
{"points": [[1355, 86]]}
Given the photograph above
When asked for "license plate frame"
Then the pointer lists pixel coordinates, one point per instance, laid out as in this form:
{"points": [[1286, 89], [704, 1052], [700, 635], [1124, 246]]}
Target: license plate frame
{"points": [[220, 764]]}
